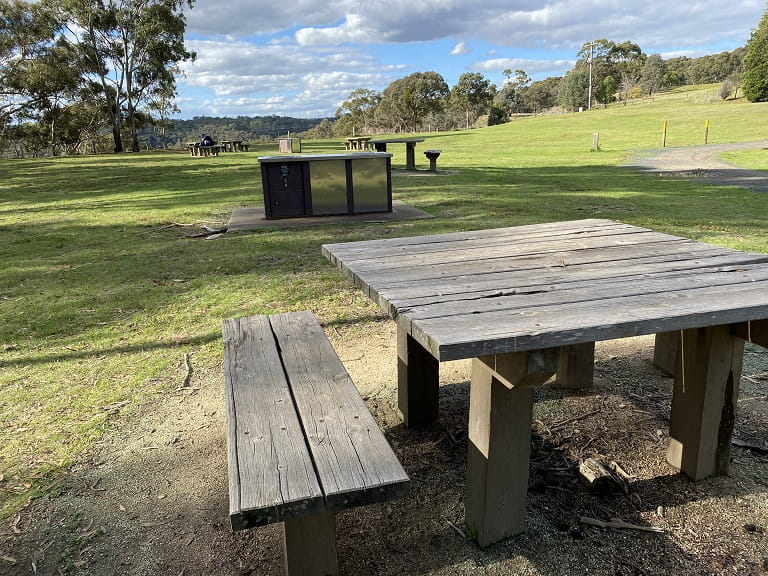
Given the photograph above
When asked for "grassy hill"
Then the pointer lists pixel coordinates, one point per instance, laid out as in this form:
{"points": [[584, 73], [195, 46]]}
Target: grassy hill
{"points": [[104, 291]]}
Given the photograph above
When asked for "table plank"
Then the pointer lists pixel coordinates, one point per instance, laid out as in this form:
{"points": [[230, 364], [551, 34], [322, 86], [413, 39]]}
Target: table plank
{"points": [[377, 259], [410, 294], [455, 337], [582, 286], [348, 250]]}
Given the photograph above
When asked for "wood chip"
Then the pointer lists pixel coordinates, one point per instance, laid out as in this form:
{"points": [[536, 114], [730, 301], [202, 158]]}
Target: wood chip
{"points": [[9, 559]]}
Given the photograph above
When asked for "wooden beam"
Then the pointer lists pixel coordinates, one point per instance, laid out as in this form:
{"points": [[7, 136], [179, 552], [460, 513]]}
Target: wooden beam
{"points": [[418, 380], [529, 368], [577, 366], [704, 401], [309, 545], [755, 332], [497, 461], [665, 351]]}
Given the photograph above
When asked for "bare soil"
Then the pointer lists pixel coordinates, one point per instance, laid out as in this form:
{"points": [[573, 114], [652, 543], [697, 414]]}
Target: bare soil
{"points": [[704, 162], [152, 498]]}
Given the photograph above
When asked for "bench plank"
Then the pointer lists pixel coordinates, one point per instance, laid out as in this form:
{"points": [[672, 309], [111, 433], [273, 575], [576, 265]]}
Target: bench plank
{"points": [[264, 437], [352, 457]]}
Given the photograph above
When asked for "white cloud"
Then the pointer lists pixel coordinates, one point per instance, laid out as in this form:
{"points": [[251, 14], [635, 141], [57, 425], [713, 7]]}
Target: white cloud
{"points": [[246, 79], [303, 57], [531, 67], [246, 18], [460, 48], [556, 23]]}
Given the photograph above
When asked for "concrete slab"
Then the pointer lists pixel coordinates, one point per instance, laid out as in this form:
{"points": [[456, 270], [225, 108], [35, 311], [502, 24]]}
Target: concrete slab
{"points": [[252, 218]]}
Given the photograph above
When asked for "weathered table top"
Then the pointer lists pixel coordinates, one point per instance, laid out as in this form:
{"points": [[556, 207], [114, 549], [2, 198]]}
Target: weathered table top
{"points": [[396, 140], [495, 291]]}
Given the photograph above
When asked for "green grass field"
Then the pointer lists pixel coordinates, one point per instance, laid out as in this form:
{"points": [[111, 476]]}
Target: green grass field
{"points": [[103, 290]]}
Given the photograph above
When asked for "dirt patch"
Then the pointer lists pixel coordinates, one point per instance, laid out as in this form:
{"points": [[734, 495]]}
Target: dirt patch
{"points": [[704, 162], [152, 498]]}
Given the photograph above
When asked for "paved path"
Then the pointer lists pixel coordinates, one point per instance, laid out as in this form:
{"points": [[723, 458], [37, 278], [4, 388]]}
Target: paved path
{"points": [[704, 162]]}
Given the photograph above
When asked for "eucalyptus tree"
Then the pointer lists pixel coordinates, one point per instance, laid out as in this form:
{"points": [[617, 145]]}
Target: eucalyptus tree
{"points": [[37, 82], [472, 95], [755, 78], [359, 109], [407, 101], [652, 75], [25, 35], [130, 49]]}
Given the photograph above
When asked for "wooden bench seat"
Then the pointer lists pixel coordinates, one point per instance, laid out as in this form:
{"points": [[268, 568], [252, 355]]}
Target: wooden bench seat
{"points": [[301, 443]]}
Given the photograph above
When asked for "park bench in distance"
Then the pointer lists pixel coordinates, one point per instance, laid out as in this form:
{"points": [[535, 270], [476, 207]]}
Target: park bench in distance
{"points": [[301, 444]]}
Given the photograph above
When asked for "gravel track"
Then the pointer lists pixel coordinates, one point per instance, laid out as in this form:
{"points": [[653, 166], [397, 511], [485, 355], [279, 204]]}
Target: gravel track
{"points": [[704, 162]]}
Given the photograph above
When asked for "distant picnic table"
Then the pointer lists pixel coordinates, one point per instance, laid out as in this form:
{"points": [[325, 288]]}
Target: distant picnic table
{"points": [[197, 149], [357, 142], [410, 148], [234, 145]]}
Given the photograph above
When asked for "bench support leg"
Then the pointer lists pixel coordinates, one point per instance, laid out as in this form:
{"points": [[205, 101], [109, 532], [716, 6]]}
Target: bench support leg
{"points": [[704, 401], [309, 545], [577, 366], [418, 380], [665, 350], [499, 450]]}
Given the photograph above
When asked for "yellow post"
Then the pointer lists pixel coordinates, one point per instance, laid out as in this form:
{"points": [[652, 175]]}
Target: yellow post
{"points": [[664, 136], [706, 131]]}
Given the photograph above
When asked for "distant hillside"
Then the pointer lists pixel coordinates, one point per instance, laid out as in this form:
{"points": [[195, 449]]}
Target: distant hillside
{"points": [[250, 129]]}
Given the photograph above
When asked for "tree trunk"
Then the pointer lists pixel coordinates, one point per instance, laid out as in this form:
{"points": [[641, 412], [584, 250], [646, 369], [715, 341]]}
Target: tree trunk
{"points": [[117, 138], [134, 132]]}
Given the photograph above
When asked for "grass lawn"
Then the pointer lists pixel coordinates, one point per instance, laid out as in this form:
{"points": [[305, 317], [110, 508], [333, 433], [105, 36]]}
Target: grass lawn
{"points": [[103, 289]]}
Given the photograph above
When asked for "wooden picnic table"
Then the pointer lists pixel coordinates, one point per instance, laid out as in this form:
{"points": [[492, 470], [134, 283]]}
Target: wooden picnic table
{"points": [[529, 302], [232, 145], [357, 142], [197, 149], [410, 148]]}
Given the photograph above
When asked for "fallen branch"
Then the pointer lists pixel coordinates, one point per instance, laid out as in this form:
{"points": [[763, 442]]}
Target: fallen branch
{"points": [[574, 419], [188, 375], [617, 523], [753, 447], [458, 530]]}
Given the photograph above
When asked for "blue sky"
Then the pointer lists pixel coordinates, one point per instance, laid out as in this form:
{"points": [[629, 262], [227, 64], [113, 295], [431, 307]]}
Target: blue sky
{"points": [[302, 58]]}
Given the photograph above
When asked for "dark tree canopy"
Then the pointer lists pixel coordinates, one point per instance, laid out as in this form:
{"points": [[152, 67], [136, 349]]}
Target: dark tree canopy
{"points": [[756, 63]]}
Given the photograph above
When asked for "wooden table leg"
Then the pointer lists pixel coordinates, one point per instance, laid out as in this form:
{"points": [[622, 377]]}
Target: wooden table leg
{"points": [[577, 366], [410, 156], [309, 545], [665, 350], [418, 380], [704, 401], [500, 415]]}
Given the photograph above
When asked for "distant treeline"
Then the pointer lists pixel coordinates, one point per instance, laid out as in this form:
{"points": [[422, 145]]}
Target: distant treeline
{"points": [[249, 129], [605, 72]]}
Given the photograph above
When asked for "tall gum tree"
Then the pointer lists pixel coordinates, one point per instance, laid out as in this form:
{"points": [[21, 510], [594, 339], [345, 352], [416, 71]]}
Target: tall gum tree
{"points": [[130, 49], [755, 66]]}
